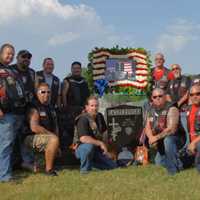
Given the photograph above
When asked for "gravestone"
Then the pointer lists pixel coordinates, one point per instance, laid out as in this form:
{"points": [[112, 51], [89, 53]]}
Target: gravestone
{"points": [[125, 124]]}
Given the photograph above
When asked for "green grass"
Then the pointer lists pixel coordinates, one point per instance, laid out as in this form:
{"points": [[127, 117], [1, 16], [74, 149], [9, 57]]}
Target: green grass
{"points": [[141, 183]]}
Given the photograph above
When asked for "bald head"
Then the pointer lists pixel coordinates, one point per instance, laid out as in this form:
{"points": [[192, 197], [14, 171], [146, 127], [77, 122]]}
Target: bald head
{"points": [[159, 60], [195, 95], [158, 97]]}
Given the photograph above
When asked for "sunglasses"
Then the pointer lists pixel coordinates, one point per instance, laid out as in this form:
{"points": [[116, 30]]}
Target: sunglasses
{"points": [[158, 96], [26, 56], [44, 91], [195, 94], [175, 68]]}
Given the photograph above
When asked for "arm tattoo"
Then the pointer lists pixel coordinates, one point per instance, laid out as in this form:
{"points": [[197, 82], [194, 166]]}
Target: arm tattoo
{"points": [[172, 123]]}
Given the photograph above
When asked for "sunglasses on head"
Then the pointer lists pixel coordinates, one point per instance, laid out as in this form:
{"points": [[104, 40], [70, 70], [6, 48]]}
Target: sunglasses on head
{"points": [[195, 94], [44, 91], [157, 96]]}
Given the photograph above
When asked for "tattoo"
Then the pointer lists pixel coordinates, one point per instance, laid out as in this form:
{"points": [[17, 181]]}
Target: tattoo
{"points": [[172, 123]]}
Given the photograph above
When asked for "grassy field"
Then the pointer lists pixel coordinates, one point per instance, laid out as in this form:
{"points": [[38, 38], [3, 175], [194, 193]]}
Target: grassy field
{"points": [[149, 183]]}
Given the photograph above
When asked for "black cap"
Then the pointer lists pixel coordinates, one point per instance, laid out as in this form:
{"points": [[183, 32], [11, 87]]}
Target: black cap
{"points": [[24, 52]]}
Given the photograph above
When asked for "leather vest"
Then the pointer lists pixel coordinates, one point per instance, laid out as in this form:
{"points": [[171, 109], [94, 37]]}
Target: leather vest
{"points": [[95, 125], [12, 94], [78, 91], [178, 87], [158, 118], [28, 79], [54, 87], [163, 82], [48, 118]]}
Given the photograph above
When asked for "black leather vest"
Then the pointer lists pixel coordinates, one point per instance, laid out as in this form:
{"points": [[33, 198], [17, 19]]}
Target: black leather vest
{"points": [[158, 118], [78, 91], [28, 79], [178, 88], [48, 118], [12, 94]]}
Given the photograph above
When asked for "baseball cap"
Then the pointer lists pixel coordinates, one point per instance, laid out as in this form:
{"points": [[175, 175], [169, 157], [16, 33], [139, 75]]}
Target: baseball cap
{"points": [[24, 52]]}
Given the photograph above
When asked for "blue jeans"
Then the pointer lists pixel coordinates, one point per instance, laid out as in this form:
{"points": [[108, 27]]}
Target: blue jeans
{"points": [[91, 156], [6, 145], [183, 117], [197, 157], [167, 155], [26, 153]]}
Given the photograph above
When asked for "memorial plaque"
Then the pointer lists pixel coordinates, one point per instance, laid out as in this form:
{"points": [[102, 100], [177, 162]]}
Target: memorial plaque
{"points": [[125, 124]]}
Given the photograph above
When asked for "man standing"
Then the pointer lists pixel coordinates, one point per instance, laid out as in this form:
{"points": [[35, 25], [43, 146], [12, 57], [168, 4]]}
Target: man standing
{"points": [[74, 94], [47, 76], [27, 76], [12, 101], [91, 150], [178, 92], [160, 74], [193, 118], [42, 128], [162, 130]]}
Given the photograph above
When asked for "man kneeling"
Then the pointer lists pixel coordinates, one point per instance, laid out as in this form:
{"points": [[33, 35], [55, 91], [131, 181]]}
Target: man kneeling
{"points": [[162, 130], [89, 129], [42, 128]]}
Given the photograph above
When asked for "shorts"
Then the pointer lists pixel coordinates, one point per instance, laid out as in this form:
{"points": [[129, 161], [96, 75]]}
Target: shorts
{"points": [[38, 142]]}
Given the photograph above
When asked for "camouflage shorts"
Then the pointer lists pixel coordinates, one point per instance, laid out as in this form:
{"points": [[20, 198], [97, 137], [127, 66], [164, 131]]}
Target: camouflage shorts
{"points": [[38, 142]]}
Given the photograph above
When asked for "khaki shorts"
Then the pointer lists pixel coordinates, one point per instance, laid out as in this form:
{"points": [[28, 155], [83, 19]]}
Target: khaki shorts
{"points": [[38, 142]]}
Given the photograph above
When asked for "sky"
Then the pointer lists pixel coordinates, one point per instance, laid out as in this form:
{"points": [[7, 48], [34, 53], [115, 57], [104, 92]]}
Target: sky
{"points": [[68, 30]]}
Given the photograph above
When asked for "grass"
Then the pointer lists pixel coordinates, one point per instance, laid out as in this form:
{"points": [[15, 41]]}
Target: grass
{"points": [[141, 183]]}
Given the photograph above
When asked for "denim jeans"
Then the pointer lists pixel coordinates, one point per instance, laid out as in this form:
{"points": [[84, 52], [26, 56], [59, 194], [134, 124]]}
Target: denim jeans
{"points": [[6, 145], [91, 156], [183, 117], [24, 152], [167, 155], [197, 157]]}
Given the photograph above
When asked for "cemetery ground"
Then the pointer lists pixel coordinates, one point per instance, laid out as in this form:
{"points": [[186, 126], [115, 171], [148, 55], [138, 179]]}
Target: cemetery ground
{"points": [[135, 182]]}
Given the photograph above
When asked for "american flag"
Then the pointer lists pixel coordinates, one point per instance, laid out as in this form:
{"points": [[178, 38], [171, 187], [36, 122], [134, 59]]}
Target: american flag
{"points": [[128, 67]]}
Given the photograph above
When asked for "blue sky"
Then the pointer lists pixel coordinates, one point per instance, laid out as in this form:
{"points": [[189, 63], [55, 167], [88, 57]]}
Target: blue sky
{"points": [[68, 30]]}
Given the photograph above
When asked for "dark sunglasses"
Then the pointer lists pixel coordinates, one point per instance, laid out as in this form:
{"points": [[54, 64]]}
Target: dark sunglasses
{"points": [[158, 96], [26, 56], [44, 91], [195, 94], [175, 68]]}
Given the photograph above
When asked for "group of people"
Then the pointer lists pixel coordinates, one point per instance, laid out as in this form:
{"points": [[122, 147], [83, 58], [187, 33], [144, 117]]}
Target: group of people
{"points": [[39, 113]]}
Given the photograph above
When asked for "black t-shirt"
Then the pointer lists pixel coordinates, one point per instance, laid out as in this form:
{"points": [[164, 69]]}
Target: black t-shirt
{"points": [[84, 129]]}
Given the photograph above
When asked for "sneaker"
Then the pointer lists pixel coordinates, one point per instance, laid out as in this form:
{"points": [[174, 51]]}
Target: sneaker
{"points": [[51, 173]]}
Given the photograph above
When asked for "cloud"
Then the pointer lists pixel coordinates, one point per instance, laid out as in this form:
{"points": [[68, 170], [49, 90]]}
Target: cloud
{"points": [[177, 36], [49, 28], [63, 38]]}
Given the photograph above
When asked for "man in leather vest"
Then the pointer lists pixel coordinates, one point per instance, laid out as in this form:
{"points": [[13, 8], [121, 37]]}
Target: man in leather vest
{"points": [[90, 148], [178, 93], [74, 94], [12, 101], [27, 76], [162, 130], [193, 119], [47, 76], [42, 128], [160, 74]]}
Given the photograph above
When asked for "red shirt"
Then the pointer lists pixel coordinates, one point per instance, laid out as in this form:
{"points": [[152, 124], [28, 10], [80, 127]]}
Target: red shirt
{"points": [[192, 115], [158, 74]]}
